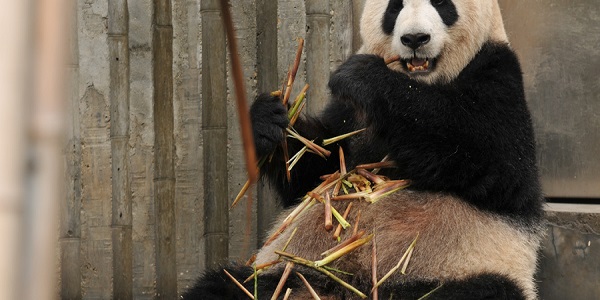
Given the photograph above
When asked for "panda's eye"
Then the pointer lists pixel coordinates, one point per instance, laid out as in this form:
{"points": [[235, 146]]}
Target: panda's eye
{"points": [[438, 2]]}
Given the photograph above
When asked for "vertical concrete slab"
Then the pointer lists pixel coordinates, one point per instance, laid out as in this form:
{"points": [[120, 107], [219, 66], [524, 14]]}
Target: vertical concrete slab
{"points": [[141, 151], [187, 68]]}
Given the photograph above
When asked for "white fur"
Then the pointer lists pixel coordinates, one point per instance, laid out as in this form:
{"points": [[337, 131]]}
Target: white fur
{"points": [[419, 16], [455, 46]]}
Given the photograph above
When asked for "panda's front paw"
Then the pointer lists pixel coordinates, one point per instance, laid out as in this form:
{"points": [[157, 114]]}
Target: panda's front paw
{"points": [[269, 119], [359, 79]]}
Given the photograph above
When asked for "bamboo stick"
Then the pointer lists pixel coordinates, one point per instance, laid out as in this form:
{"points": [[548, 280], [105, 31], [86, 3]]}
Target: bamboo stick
{"points": [[287, 294], [310, 264], [240, 92], [374, 270], [118, 40], [338, 230], [309, 287], [286, 273], [239, 285], [294, 71]]}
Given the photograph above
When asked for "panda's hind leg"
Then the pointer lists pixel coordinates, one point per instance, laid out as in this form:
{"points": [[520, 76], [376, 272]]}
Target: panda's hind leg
{"points": [[485, 286]]}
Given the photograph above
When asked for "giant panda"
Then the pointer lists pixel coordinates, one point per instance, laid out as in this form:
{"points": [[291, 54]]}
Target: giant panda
{"points": [[451, 113]]}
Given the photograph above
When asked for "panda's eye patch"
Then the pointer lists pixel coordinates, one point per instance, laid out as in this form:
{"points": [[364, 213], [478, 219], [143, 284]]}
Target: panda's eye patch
{"points": [[391, 14], [438, 2]]}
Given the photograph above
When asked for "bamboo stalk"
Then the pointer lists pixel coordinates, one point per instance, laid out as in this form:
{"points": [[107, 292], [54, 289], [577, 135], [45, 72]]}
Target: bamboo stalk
{"points": [[240, 92], [374, 270], [370, 176], [318, 149], [295, 109], [239, 285], [343, 251], [287, 294], [357, 222], [338, 230], [348, 241], [392, 59], [394, 269], [384, 164], [338, 138], [429, 294], [328, 219], [294, 119], [309, 287], [310, 264], [342, 161], [403, 271], [294, 70]]}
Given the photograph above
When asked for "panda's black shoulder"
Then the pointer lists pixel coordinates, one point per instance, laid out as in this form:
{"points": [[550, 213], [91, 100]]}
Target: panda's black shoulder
{"points": [[494, 58]]}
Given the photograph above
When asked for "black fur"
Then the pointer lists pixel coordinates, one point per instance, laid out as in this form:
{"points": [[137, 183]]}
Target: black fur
{"points": [[391, 14], [215, 285], [447, 11], [445, 8], [472, 137]]}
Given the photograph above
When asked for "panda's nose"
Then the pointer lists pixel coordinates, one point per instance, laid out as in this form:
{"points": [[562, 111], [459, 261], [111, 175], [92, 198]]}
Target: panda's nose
{"points": [[415, 41]]}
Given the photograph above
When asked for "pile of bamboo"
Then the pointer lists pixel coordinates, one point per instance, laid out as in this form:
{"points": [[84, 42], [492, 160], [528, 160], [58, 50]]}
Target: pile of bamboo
{"points": [[360, 184]]}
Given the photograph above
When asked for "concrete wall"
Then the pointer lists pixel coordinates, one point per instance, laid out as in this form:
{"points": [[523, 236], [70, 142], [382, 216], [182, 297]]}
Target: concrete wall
{"points": [[570, 259]]}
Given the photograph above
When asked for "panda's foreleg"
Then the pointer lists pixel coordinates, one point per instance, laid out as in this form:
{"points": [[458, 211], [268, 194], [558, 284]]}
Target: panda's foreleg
{"points": [[269, 120]]}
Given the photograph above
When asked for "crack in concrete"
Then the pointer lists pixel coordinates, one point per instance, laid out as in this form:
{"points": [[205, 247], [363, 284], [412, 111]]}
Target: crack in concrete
{"points": [[554, 244]]}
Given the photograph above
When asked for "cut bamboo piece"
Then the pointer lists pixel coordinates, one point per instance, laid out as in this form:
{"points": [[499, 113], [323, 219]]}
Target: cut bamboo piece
{"points": [[374, 270], [392, 59], [394, 269], [318, 149], [429, 294], [342, 162], [286, 273], [343, 251], [328, 219], [309, 287], [294, 70], [357, 222], [310, 264], [350, 240], [287, 294], [239, 284], [338, 230], [338, 138], [384, 164]]}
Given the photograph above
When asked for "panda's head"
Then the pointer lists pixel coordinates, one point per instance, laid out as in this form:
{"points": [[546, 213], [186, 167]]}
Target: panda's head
{"points": [[435, 39]]}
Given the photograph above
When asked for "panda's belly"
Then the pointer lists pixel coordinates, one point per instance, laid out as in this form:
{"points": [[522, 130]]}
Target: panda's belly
{"points": [[455, 239]]}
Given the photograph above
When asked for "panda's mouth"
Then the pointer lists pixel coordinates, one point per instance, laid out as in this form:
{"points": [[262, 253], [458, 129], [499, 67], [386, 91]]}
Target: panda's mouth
{"points": [[418, 65]]}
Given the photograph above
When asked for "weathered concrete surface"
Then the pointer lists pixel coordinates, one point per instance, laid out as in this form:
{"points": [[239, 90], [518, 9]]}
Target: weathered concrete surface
{"points": [[570, 257]]}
